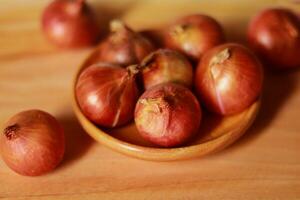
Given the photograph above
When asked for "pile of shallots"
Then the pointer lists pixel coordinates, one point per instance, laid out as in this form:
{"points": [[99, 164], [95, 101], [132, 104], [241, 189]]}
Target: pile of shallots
{"points": [[158, 85]]}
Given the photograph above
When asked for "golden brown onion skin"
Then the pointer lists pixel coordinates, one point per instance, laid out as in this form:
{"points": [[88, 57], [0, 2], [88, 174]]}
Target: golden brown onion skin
{"points": [[123, 46], [275, 35], [107, 94], [168, 115], [165, 65], [228, 79], [193, 35], [32, 143], [70, 24]]}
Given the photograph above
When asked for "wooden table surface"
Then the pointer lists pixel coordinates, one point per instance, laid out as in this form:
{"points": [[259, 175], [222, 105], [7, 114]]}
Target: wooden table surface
{"points": [[263, 164]]}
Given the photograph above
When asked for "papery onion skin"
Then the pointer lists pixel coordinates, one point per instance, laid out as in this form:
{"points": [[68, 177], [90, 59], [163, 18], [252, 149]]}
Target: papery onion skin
{"points": [[274, 34], [165, 65], [168, 115], [123, 46], [70, 24], [193, 35], [229, 79], [107, 94], [32, 143]]}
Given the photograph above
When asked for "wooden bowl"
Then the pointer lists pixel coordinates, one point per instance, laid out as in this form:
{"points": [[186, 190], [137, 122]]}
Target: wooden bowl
{"points": [[215, 133]]}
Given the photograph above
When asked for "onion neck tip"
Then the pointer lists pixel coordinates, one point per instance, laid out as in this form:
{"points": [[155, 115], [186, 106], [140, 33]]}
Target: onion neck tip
{"points": [[116, 25], [220, 57], [179, 29], [11, 131], [133, 70]]}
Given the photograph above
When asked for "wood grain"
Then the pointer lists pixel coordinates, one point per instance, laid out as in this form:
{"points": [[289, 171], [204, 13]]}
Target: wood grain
{"points": [[264, 164]]}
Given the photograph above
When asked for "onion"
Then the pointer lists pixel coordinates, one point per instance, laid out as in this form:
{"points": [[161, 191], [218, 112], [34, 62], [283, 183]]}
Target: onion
{"points": [[164, 66], [275, 35], [123, 46], [32, 143], [70, 24], [168, 115], [107, 93], [193, 35], [228, 79]]}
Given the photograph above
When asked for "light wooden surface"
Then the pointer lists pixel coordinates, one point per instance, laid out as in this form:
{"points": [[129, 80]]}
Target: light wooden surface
{"points": [[264, 164]]}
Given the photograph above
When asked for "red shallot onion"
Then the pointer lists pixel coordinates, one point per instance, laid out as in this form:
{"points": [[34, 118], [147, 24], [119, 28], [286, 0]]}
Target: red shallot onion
{"points": [[229, 79], [107, 93], [32, 143]]}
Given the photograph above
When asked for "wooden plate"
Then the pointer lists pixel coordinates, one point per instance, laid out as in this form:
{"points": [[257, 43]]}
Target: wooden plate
{"points": [[215, 132]]}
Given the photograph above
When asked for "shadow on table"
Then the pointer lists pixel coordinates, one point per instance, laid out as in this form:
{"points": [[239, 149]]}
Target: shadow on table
{"points": [[77, 141], [278, 87]]}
